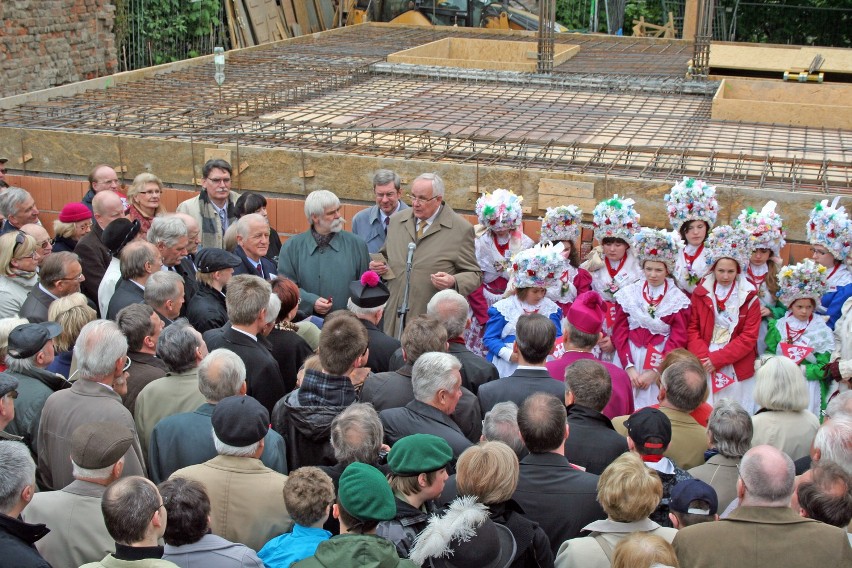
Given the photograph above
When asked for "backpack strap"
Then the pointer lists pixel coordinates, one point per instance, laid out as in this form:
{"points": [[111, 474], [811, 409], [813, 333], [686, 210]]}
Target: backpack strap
{"points": [[607, 548]]}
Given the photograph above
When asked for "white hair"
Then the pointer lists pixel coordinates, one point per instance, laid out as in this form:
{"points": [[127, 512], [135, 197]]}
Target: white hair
{"points": [[318, 201], [100, 474], [433, 372], [359, 311], [224, 449], [273, 308], [99, 345], [833, 439]]}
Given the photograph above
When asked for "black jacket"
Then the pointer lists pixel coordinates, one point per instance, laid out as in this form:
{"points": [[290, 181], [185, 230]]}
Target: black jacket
{"points": [[306, 431], [559, 497], [518, 386], [419, 418], [17, 543], [382, 347], [263, 378], [207, 309], [592, 441], [64, 244], [126, 293], [190, 285], [404, 528], [475, 371], [270, 270], [36, 305], [290, 350], [94, 258], [534, 548]]}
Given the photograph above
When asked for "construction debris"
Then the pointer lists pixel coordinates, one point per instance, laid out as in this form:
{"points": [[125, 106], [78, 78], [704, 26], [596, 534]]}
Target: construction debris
{"points": [[255, 22]]}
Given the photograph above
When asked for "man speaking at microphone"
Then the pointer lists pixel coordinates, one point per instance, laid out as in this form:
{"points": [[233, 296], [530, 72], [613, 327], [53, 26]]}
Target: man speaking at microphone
{"points": [[443, 258]]}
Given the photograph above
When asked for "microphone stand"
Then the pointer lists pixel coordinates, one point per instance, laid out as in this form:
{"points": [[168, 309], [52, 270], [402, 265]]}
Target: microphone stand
{"points": [[402, 311]]}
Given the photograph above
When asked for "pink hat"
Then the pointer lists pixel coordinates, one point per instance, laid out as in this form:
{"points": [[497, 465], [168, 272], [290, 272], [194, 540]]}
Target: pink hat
{"points": [[587, 312], [73, 212]]}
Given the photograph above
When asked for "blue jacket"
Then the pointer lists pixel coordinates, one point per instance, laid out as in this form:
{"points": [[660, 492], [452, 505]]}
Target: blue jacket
{"points": [[368, 225], [302, 542]]}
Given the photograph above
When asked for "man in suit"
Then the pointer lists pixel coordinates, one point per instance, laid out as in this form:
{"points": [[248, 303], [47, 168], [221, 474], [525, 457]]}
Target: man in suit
{"points": [[534, 341], [142, 327], [553, 493], [170, 235], [444, 257], [247, 300], [139, 260], [60, 275], [763, 530], [18, 207], [367, 299], [213, 207], [371, 224], [164, 292], [252, 246], [94, 255]]}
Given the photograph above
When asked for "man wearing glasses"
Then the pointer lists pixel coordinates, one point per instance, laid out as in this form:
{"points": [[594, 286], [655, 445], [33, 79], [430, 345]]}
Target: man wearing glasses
{"points": [[371, 224], [103, 178], [60, 276], [18, 207], [444, 257], [213, 208]]}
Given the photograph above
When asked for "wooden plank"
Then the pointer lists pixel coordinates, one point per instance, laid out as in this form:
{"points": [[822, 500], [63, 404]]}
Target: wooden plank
{"points": [[313, 19], [326, 9], [232, 24], [289, 15], [244, 24], [733, 56], [304, 21], [297, 30], [555, 192]]}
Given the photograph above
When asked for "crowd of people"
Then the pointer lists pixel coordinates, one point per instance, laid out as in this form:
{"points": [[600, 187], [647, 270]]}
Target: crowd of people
{"points": [[184, 389]]}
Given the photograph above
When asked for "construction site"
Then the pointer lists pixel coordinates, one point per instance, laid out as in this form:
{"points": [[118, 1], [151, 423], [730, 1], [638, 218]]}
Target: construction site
{"points": [[610, 115]]}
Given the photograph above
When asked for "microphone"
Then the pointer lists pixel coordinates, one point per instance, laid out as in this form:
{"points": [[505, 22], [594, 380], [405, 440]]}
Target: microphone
{"points": [[411, 247]]}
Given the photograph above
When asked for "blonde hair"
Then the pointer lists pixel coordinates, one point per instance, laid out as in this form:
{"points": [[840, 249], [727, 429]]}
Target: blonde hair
{"points": [[138, 186], [780, 385], [6, 327], [66, 230], [72, 312], [628, 490], [7, 248], [641, 550], [489, 472]]}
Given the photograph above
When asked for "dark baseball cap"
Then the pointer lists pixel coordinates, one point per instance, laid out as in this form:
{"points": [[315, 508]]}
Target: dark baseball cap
{"points": [[687, 491], [29, 338], [649, 423], [8, 383]]}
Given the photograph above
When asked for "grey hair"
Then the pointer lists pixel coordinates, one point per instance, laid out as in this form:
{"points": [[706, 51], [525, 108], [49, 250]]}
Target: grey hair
{"points": [[273, 307], [730, 428], [224, 449], [318, 201], [779, 385], [218, 164], [134, 257], [245, 297], [161, 287], [686, 384], [177, 346], [359, 311], [766, 486], [11, 198], [23, 366], [383, 177], [437, 183], [356, 434], [221, 374], [451, 309], [433, 372], [17, 470], [101, 473], [832, 441], [246, 220], [99, 345], [167, 229], [501, 425], [840, 405], [54, 266]]}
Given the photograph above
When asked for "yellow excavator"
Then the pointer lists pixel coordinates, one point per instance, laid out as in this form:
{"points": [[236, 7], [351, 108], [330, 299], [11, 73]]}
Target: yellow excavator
{"points": [[462, 13]]}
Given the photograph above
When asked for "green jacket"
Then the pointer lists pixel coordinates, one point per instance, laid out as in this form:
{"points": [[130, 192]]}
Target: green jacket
{"points": [[357, 551]]}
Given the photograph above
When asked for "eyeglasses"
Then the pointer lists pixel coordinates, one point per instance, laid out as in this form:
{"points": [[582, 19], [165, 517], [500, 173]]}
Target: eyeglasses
{"points": [[21, 238], [415, 199], [4, 171], [818, 251], [740, 474], [386, 195], [127, 363], [217, 181], [151, 192], [79, 277], [46, 243], [13, 394]]}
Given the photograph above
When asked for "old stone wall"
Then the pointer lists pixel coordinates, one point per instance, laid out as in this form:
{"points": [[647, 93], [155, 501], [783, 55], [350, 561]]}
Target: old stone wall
{"points": [[45, 43]]}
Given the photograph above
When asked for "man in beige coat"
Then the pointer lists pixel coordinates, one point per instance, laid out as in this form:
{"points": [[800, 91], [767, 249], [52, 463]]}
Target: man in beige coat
{"points": [[246, 497], [444, 258]]}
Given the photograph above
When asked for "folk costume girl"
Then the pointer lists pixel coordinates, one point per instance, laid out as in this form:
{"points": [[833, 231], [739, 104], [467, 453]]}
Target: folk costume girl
{"points": [[651, 315], [800, 335], [725, 317], [762, 271], [500, 237], [692, 209], [830, 235], [612, 265], [533, 271], [562, 225]]}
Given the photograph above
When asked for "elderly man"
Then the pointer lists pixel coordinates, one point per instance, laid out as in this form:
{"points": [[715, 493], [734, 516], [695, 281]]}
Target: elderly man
{"points": [[252, 246], [208, 310], [323, 260], [101, 352], [437, 388], [683, 388], [247, 301], [77, 530], [763, 530], [593, 443], [181, 348], [139, 260], [193, 234], [45, 244], [356, 436], [8, 393], [184, 439], [102, 178], [367, 299], [60, 275], [127, 506], [18, 207], [444, 257], [29, 353], [164, 291], [142, 327], [245, 495], [559, 497], [94, 255], [824, 493], [171, 237], [729, 433], [213, 208], [371, 224], [17, 487]]}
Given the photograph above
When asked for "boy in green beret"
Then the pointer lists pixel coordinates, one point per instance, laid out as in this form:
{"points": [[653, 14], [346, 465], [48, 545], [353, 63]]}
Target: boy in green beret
{"points": [[364, 499], [418, 465]]}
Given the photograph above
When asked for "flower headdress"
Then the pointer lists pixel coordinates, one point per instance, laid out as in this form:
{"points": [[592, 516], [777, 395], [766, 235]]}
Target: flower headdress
{"points": [[659, 246], [561, 224], [537, 267], [804, 280], [829, 226], [765, 226], [727, 242], [616, 218], [691, 200], [499, 210]]}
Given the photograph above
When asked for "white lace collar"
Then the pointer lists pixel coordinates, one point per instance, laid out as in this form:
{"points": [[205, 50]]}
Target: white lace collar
{"points": [[634, 305]]}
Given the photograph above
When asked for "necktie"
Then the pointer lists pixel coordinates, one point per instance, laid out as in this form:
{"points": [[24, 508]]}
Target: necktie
{"points": [[224, 220], [421, 228], [259, 268], [387, 222]]}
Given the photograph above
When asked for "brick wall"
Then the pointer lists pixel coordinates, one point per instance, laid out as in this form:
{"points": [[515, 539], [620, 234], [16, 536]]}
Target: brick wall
{"points": [[45, 43]]}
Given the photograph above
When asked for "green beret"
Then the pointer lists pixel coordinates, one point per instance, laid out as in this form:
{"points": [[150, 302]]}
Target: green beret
{"points": [[365, 493], [419, 453]]}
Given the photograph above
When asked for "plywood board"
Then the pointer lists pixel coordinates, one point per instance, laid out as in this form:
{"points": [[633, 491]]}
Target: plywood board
{"points": [[327, 13], [778, 58], [304, 20], [289, 15], [244, 24], [481, 54], [555, 192], [263, 15], [313, 19]]}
